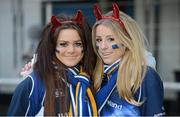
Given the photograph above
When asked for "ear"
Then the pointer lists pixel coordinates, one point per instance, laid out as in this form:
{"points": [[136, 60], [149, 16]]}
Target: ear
{"points": [[115, 11], [97, 12], [79, 17]]}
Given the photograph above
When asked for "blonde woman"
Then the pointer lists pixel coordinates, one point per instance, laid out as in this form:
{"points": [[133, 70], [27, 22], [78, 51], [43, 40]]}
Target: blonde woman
{"points": [[125, 85]]}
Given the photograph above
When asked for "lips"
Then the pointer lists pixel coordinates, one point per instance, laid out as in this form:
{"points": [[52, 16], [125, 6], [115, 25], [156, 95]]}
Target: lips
{"points": [[71, 56], [106, 54]]}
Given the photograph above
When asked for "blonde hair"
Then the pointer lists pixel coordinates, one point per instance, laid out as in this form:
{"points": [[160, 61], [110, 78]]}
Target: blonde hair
{"points": [[131, 72]]}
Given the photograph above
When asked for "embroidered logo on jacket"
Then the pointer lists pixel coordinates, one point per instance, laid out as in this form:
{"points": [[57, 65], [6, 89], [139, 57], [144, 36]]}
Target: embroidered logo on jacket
{"points": [[114, 105]]}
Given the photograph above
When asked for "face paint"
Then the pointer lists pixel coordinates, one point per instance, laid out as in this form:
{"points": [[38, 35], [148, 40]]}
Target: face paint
{"points": [[57, 51], [82, 51], [116, 46], [97, 47]]}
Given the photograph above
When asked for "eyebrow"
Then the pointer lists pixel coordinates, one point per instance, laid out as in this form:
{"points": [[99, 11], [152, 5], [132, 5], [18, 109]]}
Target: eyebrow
{"points": [[78, 41], [109, 36], [106, 36], [68, 41]]}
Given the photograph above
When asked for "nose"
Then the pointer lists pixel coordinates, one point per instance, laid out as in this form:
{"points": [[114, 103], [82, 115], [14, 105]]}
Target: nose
{"points": [[103, 45], [71, 49]]}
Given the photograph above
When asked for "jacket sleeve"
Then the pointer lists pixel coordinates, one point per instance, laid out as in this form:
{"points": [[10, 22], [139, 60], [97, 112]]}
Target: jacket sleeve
{"points": [[20, 100], [153, 94]]}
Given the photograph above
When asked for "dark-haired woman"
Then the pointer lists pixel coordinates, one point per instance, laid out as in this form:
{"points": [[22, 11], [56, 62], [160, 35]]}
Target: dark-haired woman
{"points": [[60, 82]]}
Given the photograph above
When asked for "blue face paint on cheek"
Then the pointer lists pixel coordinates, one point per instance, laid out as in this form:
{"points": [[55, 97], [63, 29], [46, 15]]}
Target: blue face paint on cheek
{"points": [[115, 46]]}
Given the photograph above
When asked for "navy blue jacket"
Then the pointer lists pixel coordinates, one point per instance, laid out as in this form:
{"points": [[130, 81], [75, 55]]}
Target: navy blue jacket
{"points": [[28, 97], [151, 91]]}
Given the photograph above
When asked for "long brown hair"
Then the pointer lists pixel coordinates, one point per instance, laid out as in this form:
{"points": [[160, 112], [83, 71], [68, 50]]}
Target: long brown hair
{"points": [[46, 60]]}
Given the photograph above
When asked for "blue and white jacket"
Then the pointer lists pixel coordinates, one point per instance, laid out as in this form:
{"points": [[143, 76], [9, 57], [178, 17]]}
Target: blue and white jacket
{"points": [[109, 102], [28, 98]]}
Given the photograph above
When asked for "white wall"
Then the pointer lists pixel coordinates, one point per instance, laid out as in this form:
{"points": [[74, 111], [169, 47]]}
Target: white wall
{"points": [[169, 39], [169, 56], [6, 39], [169, 35], [11, 65]]}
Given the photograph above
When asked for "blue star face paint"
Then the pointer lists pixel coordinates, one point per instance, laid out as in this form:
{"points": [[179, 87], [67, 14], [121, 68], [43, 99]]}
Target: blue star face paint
{"points": [[116, 46]]}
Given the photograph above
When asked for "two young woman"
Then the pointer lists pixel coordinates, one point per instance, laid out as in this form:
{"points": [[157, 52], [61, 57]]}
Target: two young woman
{"points": [[123, 81]]}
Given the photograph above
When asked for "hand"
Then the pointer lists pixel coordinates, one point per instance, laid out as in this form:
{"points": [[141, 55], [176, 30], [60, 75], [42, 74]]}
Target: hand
{"points": [[26, 70]]}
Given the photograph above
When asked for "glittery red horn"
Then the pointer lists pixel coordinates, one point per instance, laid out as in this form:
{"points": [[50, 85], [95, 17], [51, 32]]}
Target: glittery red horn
{"points": [[55, 22], [115, 11], [97, 12], [79, 17]]}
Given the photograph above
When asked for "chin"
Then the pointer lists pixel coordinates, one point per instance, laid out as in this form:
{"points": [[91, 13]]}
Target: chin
{"points": [[71, 64], [107, 62]]}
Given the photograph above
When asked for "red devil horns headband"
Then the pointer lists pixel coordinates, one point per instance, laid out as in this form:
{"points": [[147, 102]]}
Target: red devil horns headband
{"points": [[114, 17], [56, 22]]}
